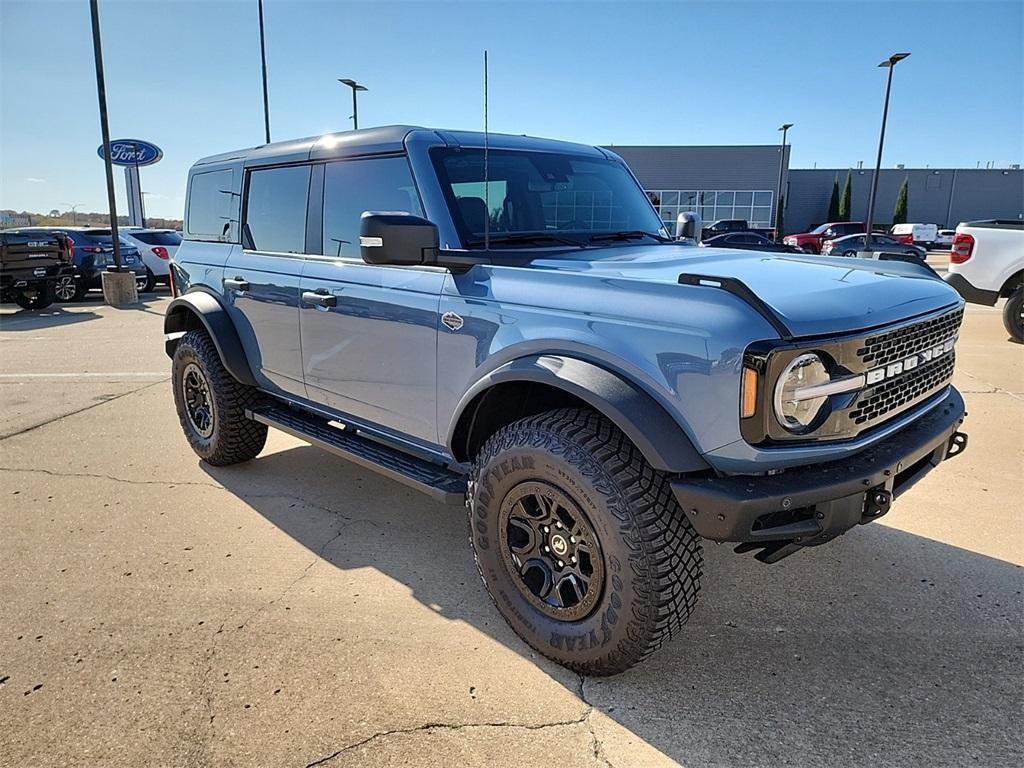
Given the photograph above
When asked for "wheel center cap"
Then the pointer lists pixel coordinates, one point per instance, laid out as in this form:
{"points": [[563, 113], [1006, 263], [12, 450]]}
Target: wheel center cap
{"points": [[559, 545]]}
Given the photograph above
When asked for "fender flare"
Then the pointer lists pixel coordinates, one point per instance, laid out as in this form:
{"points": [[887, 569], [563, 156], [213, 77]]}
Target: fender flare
{"points": [[200, 309], [650, 427]]}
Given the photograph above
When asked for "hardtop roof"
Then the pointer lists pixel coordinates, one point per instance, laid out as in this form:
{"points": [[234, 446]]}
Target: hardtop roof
{"points": [[383, 140]]}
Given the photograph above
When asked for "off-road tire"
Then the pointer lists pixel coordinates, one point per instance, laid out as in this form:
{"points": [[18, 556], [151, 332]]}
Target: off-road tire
{"points": [[652, 556], [1013, 314], [38, 298], [234, 438]]}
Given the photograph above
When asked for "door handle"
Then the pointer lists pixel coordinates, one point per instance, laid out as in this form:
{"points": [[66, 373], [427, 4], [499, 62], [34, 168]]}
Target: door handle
{"points": [[236, 283], [319, 298]]}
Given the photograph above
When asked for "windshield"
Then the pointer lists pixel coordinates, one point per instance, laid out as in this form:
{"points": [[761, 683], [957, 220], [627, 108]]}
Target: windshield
{"points": [[542, 199], [820, 230]]}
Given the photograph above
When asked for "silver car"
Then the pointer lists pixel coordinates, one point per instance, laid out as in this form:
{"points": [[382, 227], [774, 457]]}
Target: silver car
{"points": [[849, 245]]}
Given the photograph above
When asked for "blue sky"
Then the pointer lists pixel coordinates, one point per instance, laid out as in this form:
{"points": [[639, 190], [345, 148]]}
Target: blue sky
{"points": [[185, 75]]}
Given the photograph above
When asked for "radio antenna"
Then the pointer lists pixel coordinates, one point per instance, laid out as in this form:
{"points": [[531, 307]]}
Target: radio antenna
{"points": [[487, 186]]}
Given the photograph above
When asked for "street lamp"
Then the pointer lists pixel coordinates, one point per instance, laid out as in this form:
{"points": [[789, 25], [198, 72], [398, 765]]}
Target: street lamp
{"points": [[889, 63], [74, 213], [778, 194], [355, 106]]}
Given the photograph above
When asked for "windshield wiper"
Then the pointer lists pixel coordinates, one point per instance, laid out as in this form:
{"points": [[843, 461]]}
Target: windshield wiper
{"points": [[629, 234], [527, 237]]}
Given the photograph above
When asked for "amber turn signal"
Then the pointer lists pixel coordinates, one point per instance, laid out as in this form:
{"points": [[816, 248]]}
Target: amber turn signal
{"points": [[748, 393]]}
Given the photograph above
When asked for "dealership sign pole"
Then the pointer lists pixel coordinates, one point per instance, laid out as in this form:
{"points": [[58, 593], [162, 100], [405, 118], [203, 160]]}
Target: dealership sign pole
{"points": [[778, 194], [132, 154]]}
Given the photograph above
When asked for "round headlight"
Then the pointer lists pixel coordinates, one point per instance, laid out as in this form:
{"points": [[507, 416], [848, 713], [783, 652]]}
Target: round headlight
{"points": [[794, 408]]}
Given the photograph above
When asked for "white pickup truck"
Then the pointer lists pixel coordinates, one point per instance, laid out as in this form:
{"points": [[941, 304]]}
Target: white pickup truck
{"points": [[987, 263]]}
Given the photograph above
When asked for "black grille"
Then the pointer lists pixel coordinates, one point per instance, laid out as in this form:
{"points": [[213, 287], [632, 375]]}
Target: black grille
{"points": [[894, 395], [904, 342]]}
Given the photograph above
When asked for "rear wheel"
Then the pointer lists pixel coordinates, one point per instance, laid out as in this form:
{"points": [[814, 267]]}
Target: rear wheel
{"points": [[38, 296], [580, 543], [149, 283], [1013, 314], [67, 288], [211, 404]]}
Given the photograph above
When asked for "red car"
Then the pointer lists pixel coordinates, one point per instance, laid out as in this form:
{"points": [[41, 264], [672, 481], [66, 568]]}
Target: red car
{"points": [[811, 242]]}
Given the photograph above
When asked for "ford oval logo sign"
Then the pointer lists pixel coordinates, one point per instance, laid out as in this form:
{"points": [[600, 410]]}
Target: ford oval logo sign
{"points": [[132, 152]]}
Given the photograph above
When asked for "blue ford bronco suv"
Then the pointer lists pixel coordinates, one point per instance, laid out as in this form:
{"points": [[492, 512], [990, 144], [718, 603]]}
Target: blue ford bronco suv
{"points": [[505, 322]]}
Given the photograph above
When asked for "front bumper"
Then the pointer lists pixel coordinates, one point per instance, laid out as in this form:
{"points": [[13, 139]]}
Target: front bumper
{"points": [[811, 505]]}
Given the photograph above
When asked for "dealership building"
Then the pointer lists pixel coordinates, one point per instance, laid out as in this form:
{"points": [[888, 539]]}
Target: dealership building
{"points": [[740, 182]]}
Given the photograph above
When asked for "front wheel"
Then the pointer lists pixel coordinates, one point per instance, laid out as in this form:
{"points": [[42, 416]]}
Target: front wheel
{"points": [[211, 404], [1013, 314], [580, 543]]}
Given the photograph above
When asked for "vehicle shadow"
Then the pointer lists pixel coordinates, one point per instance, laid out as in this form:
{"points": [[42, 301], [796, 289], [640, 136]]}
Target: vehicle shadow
{"points": [[884, 647], [38, 319]]}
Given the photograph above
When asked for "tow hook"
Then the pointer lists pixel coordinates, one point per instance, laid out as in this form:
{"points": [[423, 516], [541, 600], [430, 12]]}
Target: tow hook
{"points": [[957, 444], [877, 503]]}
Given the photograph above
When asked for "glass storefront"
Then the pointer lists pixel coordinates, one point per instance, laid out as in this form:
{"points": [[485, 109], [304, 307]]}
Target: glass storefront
{"points": [[712, 205]]}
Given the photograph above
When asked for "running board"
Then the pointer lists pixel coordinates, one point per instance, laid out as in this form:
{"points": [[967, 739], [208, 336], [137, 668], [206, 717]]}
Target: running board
{"points": [[444, 485]]}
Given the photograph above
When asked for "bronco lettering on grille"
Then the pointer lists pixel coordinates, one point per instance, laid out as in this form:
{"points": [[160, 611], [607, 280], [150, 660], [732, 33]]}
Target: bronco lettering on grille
{"points": [[876, 375]]}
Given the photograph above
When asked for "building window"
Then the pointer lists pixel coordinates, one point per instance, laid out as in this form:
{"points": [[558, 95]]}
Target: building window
{"points": [[712, 205]]}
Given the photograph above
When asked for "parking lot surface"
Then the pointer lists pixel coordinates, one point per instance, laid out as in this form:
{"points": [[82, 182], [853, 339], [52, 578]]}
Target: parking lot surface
{"points": [[297, 610]]}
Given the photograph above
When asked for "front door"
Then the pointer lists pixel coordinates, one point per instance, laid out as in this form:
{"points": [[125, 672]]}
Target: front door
{"points": [[261, 280], [369, 333]]}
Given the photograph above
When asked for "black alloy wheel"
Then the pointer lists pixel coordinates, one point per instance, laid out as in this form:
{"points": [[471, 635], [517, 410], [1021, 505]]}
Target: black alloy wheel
{"points": [[548, 543], [199, 404]]}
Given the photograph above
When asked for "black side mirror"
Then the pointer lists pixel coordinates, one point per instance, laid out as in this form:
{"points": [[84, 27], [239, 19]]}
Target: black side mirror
{"points": [[397, 238]]}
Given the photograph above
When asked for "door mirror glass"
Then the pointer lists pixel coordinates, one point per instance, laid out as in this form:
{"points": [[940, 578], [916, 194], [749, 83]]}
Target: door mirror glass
{"points": [[397, 238]]}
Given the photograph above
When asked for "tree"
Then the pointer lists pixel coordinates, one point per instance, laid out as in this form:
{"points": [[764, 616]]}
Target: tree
{"points": [[833, 203], [55, 213], [899, 214], [779, 222], [846, 202]]}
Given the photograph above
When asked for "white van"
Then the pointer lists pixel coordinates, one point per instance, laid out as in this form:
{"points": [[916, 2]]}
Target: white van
{"points": [[918, 234]]}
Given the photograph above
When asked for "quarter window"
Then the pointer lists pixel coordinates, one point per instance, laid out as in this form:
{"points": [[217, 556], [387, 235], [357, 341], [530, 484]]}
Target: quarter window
{"points": [[275, 211], [354, 186], [212, 207]]}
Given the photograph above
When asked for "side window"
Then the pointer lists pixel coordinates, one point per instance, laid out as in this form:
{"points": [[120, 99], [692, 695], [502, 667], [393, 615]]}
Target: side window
{"points": [[211, 207], [275, 209], [354, 186]]}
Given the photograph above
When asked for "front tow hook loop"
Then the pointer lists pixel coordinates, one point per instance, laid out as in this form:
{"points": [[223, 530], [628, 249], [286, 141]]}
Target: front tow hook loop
{"points": [[957, 444]]}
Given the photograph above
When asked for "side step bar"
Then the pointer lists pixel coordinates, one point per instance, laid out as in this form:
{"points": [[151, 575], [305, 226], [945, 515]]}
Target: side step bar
{"points": [[444, 485]]}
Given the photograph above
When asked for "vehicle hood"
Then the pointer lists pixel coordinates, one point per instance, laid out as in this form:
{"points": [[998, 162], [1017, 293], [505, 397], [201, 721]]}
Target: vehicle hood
{"points": [[813, 295]]}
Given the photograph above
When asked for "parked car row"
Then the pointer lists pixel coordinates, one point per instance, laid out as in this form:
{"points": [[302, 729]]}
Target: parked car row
{"points": [[89, 252]]}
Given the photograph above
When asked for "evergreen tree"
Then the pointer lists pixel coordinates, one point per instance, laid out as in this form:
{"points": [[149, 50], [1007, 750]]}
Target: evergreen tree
{"points": [[899, 214], [846, 202], [833, 203]]}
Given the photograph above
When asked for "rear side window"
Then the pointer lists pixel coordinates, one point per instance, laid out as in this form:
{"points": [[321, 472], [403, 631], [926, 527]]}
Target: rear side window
{"points": [[157, 238], [275, 209], [354, 186], [211, 206]]}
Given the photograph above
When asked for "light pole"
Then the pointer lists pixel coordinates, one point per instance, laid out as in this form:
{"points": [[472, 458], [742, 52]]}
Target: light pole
{"points": [[101, 94], [355, 105], [263, 59], [778, 195], [889, 63], [74, 212]]}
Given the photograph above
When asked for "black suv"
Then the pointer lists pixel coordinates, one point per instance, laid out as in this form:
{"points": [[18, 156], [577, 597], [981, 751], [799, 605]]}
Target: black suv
{"points": [[31, 264]]}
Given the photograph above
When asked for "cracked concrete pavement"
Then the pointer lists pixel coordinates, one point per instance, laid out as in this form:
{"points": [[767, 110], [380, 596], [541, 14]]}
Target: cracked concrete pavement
{"points": [[299, 611]]}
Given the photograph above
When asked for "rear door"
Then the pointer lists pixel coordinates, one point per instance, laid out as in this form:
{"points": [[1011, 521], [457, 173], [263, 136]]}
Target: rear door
{"points": [[369, 332], [261, 279]]}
